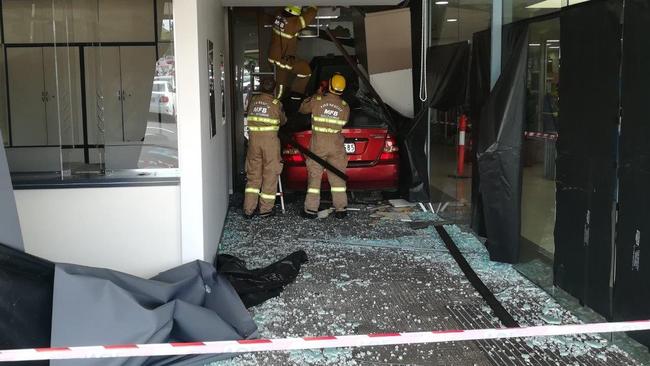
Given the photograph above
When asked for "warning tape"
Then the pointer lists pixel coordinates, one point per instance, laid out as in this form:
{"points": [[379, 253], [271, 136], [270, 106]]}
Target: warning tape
{"points": [[541, 135], [286, 344]]}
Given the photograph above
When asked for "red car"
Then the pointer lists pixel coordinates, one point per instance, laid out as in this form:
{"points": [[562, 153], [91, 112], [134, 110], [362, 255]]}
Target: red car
{"points": [[372, 150], [373, 161]]}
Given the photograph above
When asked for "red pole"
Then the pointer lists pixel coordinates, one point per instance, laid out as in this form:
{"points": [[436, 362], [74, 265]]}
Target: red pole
{"points": [[462, 127]]}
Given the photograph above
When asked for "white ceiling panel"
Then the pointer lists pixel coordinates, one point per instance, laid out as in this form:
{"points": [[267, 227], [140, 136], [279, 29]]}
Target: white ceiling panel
{"points": [[318, 3]]}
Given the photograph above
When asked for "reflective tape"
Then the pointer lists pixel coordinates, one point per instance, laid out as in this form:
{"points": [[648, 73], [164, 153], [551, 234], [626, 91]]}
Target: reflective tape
{"points": [[267, 196], [313, 191], [303, 76], [263, 129], [325, 129], [273, 121], [338, 189], [282, 34], [338, 122], [302, 22], [252, 190]]}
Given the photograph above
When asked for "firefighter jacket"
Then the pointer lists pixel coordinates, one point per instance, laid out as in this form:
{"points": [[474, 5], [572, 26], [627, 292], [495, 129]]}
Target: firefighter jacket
{"points": [[284, 40], [329, 112], [265, 113]]}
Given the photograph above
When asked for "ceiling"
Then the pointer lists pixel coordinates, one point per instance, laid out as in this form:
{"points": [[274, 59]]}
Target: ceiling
{"points": [[312, 2]]}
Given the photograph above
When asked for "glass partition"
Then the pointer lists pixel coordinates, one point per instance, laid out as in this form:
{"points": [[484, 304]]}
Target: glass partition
{"points": [[538, 155], [90, 89]]}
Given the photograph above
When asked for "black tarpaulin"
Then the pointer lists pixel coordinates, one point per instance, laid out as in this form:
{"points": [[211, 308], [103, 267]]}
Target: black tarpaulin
{"points": [[499, 152], [586, 151], [479, 90], [26, 285], [632, 291], [447, 72]]}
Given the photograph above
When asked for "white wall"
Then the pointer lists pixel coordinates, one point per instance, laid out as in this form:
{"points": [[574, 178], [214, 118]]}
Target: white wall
{"points": [[203, 160], [396, 89], [130, 229]]}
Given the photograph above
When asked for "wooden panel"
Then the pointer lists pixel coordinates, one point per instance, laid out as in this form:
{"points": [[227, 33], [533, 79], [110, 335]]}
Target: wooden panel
{"points": [[103, 104], [388, 39], [63, 99], [126, 21], [26, 89], [138, 68]]}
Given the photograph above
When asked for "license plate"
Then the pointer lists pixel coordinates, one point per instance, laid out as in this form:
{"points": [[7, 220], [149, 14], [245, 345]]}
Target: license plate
{"points": [[350, 148]]}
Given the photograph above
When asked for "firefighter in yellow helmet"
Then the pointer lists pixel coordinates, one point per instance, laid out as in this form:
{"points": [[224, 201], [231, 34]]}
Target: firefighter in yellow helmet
{"points": [[284, 43], [263, 162], [329, 113]]}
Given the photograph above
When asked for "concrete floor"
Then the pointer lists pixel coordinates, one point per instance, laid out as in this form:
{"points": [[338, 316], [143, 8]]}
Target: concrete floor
{"points": [[375, 273]]}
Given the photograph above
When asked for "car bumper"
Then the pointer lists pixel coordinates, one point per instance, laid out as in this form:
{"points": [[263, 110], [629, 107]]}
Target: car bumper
{"points": [[383, 176]]}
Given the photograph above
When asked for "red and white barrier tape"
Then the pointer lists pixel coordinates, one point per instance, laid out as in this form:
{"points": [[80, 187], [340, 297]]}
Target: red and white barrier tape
{"points": [[286, 344], [541, 135]]}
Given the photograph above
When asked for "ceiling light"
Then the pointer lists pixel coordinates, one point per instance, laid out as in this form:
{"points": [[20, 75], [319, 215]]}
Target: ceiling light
{"points": [[442, 2], [554, 48], [451, 20], [552, 40], [534, 44]]}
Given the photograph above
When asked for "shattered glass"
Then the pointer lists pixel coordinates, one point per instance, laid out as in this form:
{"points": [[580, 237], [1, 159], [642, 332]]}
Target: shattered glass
{"points": [[376, 272]]}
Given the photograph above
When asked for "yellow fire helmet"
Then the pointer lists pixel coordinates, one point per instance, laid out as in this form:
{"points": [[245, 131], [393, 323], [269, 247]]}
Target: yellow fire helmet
{"points": [[337, 84], [293, 9]]}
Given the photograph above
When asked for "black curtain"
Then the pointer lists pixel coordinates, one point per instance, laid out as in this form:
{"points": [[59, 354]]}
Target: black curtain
{"points": [[479, 90], [586, 151], [26, 286], [499, 150], [632, 290]]}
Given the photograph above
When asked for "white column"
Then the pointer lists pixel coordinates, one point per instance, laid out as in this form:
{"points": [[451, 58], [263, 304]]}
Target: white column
{"points": [[188, 99]]}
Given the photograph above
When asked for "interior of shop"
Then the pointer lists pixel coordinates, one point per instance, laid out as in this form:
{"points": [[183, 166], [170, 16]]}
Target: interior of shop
{"points": [[90, 87]]}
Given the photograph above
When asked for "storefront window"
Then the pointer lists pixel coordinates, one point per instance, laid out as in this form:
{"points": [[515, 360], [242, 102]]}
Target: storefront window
{"points": [[542, 118], [90, 90], [514, 10], [451, 22], [457, 20]]}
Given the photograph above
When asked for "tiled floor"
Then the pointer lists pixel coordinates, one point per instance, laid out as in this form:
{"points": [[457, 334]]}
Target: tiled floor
{"points": [[371, 273]]}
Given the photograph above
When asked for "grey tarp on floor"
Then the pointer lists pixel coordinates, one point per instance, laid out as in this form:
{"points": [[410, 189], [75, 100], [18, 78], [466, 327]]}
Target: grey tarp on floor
{"points": [[9, 227], [94, 306]]}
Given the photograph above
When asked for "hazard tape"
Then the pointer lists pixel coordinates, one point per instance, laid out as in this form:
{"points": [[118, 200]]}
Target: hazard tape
{"points": [[287, 344], [541, 135]]}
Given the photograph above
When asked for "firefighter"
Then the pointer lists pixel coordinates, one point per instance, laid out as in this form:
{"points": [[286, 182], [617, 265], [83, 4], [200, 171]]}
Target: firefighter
{"points": [[284, 43], [329, 113], [263, 162]]}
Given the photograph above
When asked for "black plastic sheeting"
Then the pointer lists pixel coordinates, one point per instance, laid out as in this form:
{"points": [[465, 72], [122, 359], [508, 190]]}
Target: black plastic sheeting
{"points": [[499, 151], [447, 71], [254, 286], [479, 90], [26, 287], [632, 292], [586, 151]]}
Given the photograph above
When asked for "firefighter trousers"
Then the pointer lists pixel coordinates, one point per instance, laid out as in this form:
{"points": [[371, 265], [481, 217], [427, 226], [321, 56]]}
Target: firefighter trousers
{"points": [[263, 166], [294, 79], [330, 148]]}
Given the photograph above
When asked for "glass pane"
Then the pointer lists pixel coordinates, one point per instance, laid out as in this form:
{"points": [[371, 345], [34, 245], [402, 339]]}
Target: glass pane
{"points": [[542, 116], [450, 22], [457, 20]]}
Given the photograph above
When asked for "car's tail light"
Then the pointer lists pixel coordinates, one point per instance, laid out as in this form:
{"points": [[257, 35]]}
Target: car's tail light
{"points": [[292, 155], [164, 99], [390, 149]]}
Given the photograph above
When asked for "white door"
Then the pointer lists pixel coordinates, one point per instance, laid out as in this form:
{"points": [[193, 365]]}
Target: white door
{"points": [[126, 21], [103, 95], [138, 69], [26, 96], [63, 95]]}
